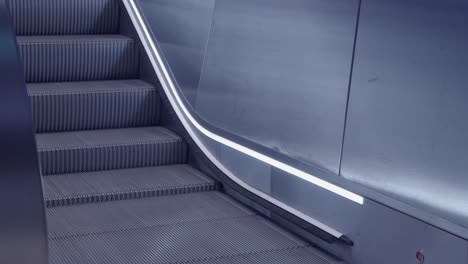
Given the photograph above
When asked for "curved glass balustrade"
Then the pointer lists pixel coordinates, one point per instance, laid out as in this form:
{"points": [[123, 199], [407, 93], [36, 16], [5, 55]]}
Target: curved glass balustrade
{"points": [[269, 81], [186, 32]]}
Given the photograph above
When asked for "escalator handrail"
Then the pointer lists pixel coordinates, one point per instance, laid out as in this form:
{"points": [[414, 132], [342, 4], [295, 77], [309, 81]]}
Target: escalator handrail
{"points": [[191, 120]]}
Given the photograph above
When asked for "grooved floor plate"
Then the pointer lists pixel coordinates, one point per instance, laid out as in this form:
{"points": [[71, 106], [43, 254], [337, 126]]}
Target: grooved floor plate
{"points": [[83, 151], [300, 255], [132, 214], [173, 243], [105, 137], [78, 57], [37, 89], [124, 184], [65, 17], [93, 105]]}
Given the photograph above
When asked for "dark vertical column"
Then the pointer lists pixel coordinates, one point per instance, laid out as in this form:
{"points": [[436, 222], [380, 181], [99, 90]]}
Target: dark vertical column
{"points": [[23, 235]]}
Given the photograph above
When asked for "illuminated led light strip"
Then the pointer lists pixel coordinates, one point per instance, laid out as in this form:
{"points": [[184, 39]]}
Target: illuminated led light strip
{"points": [[178, 104]]}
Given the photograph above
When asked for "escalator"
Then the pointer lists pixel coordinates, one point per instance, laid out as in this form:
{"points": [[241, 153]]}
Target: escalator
{"points": [[118, 186]]}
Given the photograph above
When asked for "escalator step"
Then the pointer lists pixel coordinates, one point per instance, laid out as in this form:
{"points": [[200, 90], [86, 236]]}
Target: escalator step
{"points": [[174, 243], [108, 149], [302, 255], [78, 58], [93, 105], [64, 17], [101, 186], [133, 214]]}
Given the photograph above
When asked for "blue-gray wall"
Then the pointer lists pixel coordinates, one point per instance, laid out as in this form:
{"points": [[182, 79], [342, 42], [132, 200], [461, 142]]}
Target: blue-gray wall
{"points": [[277, 72], [407, 125]]}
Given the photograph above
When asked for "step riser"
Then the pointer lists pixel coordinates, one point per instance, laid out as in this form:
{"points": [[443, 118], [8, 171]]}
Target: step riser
{"points": [[79, 61], [65, 17], [67, 112], [65, 161], [139, 194]]}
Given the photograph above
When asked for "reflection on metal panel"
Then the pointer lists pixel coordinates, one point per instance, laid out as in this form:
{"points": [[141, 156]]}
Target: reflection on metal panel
{"points": [[182, 28], [23, 237], [370, 225], [407, 125], [193, 127], [277, 72]]}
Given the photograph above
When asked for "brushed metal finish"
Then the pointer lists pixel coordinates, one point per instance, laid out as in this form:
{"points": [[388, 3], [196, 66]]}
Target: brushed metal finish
{"points": [[160, 66], [23, 236], [407, 124], [274, 72], [277, 73], [372, 226]]}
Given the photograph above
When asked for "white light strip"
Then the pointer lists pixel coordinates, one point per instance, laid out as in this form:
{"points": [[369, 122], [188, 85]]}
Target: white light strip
{"points": [[178, 104]]}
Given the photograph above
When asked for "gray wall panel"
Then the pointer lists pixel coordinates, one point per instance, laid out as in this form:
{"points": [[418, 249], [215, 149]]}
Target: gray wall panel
{"points": [[277, 72], [407, 123], [380, 234]]}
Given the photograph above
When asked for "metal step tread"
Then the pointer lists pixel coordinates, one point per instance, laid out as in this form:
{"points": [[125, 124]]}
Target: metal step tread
{"points": [[55, 17], [68, 58], [92, 218], [104, 137], [299, 255], [174, 243], [69, 106], [109, 149], [112, 86], [80, 188], [71, 39]]}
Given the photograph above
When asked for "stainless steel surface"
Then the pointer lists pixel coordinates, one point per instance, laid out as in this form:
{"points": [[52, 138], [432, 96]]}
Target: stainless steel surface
{"points": [[202, 139], [23, 236], [381, 234], [407, 123], [272, 90], [277, 73]]}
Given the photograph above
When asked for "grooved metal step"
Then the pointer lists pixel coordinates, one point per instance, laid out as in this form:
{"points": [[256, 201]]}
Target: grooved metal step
{"points": [[100, 186], [115, 185], [93, 105], [64, 17], [299, 255], [108, 149], [134, 214], [78, 58], [174, 243]]}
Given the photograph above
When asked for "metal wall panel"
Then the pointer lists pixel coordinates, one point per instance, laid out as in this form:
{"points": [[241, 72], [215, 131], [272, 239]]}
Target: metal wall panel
{"points": [[380, 234], [276, 73], [23, 236], [407, 125]]}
